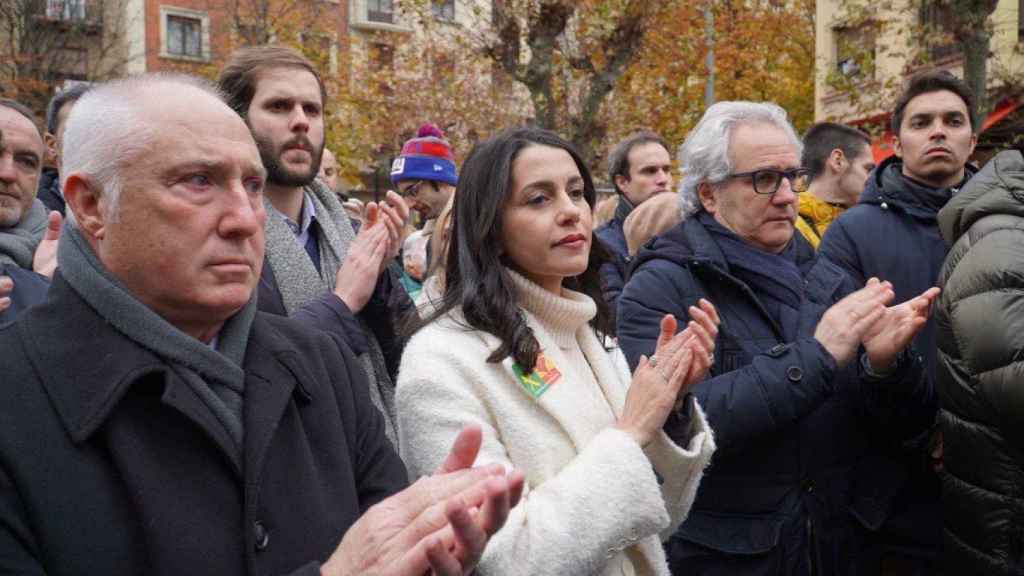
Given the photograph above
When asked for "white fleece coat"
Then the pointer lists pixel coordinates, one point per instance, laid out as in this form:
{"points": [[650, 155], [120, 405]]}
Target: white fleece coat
{"points": [[593, 503]]}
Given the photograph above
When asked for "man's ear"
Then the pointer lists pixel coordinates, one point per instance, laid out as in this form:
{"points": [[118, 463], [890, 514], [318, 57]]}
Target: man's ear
{"points": [[51, 148], [621, 181], [897, 147], [837, 161], [706, 194], [83, 200]]}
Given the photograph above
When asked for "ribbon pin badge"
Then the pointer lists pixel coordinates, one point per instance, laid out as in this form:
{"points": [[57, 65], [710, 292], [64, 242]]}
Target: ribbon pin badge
{"points": [[543, 377]]}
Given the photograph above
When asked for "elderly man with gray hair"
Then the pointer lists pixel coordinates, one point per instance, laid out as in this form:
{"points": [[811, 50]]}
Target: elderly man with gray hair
{"points": [[809, 375], [154, 421]]}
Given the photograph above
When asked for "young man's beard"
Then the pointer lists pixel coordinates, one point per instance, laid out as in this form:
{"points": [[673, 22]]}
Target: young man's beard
{"points": [[278, 174]]}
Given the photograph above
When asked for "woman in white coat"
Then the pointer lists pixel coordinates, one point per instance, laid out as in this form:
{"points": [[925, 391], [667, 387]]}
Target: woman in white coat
{"points": [[515, 345]]}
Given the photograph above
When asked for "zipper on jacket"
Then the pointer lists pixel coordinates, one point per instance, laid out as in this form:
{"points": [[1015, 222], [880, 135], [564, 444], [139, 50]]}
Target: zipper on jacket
{"points": [[811, 548]]}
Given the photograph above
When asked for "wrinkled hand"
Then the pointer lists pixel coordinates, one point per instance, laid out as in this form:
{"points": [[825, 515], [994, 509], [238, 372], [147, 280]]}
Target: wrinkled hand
{"points": [[896, 327], [357, 277], [439, 524], [843, 326], [45, 259], [679, 360], [6, 286]]}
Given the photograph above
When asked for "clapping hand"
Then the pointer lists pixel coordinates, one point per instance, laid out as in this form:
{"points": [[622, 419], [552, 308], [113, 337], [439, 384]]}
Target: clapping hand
{"points": [[44, 261], [843, 326], [679, 360], [439, 525], [895, 328], [6, 287]]}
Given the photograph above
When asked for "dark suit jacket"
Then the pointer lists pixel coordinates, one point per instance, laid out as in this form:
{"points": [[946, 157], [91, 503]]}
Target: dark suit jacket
{"points": [[110, 464]]}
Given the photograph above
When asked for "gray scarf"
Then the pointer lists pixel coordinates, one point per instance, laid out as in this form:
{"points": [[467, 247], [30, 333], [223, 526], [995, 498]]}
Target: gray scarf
{"points": [[18, 243], [216, 376], [299, 281]]}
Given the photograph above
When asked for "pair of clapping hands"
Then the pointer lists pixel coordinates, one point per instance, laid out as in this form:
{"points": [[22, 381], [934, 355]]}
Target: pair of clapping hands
{"points": [[864, 318], [378, 242], [679, 360], [439, 525]]}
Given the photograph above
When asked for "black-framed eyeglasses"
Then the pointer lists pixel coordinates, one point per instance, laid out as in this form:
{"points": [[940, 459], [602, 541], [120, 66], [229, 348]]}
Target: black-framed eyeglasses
{"points": [[767, 180], [413, 190]]}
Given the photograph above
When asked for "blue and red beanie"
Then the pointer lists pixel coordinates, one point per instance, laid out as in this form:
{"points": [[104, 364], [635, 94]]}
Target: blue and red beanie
{"points": [[425, 157]]}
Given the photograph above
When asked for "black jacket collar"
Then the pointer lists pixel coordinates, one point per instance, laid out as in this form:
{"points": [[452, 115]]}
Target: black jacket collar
{"points": [[87, 368], [887, 185]]}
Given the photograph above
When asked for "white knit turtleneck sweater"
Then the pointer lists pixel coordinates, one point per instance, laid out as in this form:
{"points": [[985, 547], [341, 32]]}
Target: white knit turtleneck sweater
{"points": [[593, 504]]}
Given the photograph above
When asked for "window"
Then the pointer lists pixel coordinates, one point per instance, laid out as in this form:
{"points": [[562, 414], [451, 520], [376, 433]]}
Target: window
{"points": [[380, 11], [382, 61], [1020, 21], [445, 9], [938, 21], [184, 34], [855, 52], [65, 9]]}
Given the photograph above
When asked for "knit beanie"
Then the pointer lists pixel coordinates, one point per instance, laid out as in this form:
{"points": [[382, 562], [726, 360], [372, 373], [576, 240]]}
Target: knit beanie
{"points": [[425, 157]]}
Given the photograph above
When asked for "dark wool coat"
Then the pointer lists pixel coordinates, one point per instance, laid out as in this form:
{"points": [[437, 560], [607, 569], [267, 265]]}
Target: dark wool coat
{"points": [[789, 489], [110, 464], [980, 373]]}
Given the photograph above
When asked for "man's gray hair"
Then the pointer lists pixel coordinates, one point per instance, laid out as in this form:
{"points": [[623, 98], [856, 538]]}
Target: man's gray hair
{"points": [[704, 156], [107, 129]]}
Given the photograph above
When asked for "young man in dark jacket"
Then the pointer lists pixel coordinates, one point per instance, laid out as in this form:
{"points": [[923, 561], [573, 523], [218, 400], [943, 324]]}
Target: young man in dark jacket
{"points": [[809, 374], [639, 167], [155, 422], [892, 234]]}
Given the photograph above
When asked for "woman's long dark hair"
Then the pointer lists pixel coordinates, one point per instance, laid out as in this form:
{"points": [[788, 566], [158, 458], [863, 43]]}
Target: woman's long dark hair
{"points": [[475, 278]]}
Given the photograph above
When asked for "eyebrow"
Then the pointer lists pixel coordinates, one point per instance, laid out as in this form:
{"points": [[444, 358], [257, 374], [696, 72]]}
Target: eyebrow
{"points": [[549, 184]]}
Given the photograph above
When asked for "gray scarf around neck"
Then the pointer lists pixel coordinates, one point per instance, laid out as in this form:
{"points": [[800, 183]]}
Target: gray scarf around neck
{"points": [[18, 243], [299, 282], [216, 376]]}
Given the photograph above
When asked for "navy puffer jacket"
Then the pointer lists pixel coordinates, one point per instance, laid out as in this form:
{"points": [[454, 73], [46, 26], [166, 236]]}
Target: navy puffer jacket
{"points": [[785, 489]]}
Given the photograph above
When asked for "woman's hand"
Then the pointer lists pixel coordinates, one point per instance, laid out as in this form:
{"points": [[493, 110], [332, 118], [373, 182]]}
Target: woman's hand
{"points": [[679, 360]]}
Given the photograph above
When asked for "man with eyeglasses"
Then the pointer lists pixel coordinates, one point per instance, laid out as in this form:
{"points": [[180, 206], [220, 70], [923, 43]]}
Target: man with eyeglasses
{"points": [[809, 374], [424, 174], [893, 234]]}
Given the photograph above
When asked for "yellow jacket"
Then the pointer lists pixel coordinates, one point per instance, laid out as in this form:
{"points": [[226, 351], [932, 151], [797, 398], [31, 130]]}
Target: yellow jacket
{"points": [[814, 216]]}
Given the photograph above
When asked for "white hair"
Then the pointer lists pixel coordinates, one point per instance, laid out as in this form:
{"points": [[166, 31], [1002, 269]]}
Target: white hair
{"points": [[704, 156], [107, 128]]}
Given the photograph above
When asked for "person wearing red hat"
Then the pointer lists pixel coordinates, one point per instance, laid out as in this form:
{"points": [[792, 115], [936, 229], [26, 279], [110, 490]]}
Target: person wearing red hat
{"points": [[424, 174]]}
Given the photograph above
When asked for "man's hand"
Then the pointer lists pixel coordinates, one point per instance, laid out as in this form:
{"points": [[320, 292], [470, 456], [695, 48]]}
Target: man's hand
{"points": [[441, 523], [887, 337], [376, 245], [357, 277], [6, 286], [843, 326], [45, 259], [396, 216]]}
